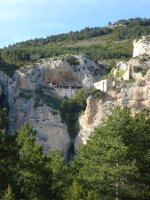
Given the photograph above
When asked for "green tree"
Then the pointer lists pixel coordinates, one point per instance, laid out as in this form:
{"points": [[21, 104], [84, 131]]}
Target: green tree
{"points": [[6, 153], [74, 192], [32, 177], [70, 110], [3, 118], [115, 162], [9, 195], [109, 23], [60, 175]]}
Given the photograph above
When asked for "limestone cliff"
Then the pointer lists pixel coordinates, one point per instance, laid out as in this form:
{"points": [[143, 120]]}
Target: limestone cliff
{"points": [[27, 104], [32, 99], [133, 92], [134, 95]]}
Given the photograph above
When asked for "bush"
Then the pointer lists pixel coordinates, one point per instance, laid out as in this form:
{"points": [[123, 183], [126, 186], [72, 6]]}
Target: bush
{"points": [[73, 60], [26, 94], [70, 110], [49, 100], [137, 69]]}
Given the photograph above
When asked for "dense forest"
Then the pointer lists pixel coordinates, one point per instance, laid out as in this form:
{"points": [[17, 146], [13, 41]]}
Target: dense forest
{"points": [[99, 43], [115, 164]]}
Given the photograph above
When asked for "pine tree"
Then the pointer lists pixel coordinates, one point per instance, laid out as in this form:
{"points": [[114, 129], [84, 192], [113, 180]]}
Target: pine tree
{"points": [[60, 175], [32, 177], [74, 192], [6, 153], [115, 163]]}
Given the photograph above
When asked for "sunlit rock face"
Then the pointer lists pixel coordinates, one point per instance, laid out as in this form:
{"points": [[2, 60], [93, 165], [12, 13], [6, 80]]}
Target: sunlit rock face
{"points": [[26, 106], [141, 47], [34, 90], [135, 95]]}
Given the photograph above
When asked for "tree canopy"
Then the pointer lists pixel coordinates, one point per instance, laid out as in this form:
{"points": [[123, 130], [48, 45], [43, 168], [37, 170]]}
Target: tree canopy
{"points": [[115, 163]]}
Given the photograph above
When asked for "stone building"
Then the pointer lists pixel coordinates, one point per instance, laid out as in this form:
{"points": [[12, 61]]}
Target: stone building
{"points": [[104, 85], [64, 91]]}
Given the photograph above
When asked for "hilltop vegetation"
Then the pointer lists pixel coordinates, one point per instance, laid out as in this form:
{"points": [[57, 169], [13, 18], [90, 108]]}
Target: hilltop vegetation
{"points": [[99, 43]]}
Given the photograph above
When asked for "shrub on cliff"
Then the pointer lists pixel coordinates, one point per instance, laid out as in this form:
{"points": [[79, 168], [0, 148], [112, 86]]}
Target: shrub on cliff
{"points": [[72, 60], [70, 110]]}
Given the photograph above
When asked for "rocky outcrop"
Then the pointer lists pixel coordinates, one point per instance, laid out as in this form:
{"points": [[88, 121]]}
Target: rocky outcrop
{"points": [[142, 46], [62, 73], [84, 135], [134, 68], [134, 95], [138, 65], [125, 92], [27, 105], [91, 113], [32, 100]]}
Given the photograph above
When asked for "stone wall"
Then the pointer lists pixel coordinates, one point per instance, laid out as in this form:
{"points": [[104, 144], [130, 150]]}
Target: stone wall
{"points": [[65, 92], [62, 91]]}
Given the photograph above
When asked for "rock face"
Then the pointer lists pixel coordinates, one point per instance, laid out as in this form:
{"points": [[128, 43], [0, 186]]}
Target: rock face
{"points": [[32, 99], [51, 132], [25, 105], [141, 47], [90, 114], [134, 95], [62, 73], [134, 68]]}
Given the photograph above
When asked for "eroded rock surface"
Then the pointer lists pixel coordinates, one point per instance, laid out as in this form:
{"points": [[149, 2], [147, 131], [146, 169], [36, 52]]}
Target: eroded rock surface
{"points": [[135, 95], [142, 46], [32, 100]]}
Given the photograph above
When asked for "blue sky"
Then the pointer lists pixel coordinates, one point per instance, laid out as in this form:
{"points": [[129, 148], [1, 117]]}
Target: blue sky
{"points": [[25, 19]]}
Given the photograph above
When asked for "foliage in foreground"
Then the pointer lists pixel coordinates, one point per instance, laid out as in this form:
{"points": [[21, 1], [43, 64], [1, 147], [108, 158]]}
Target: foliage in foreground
{"points": [[25, 172], [115, 164]]}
